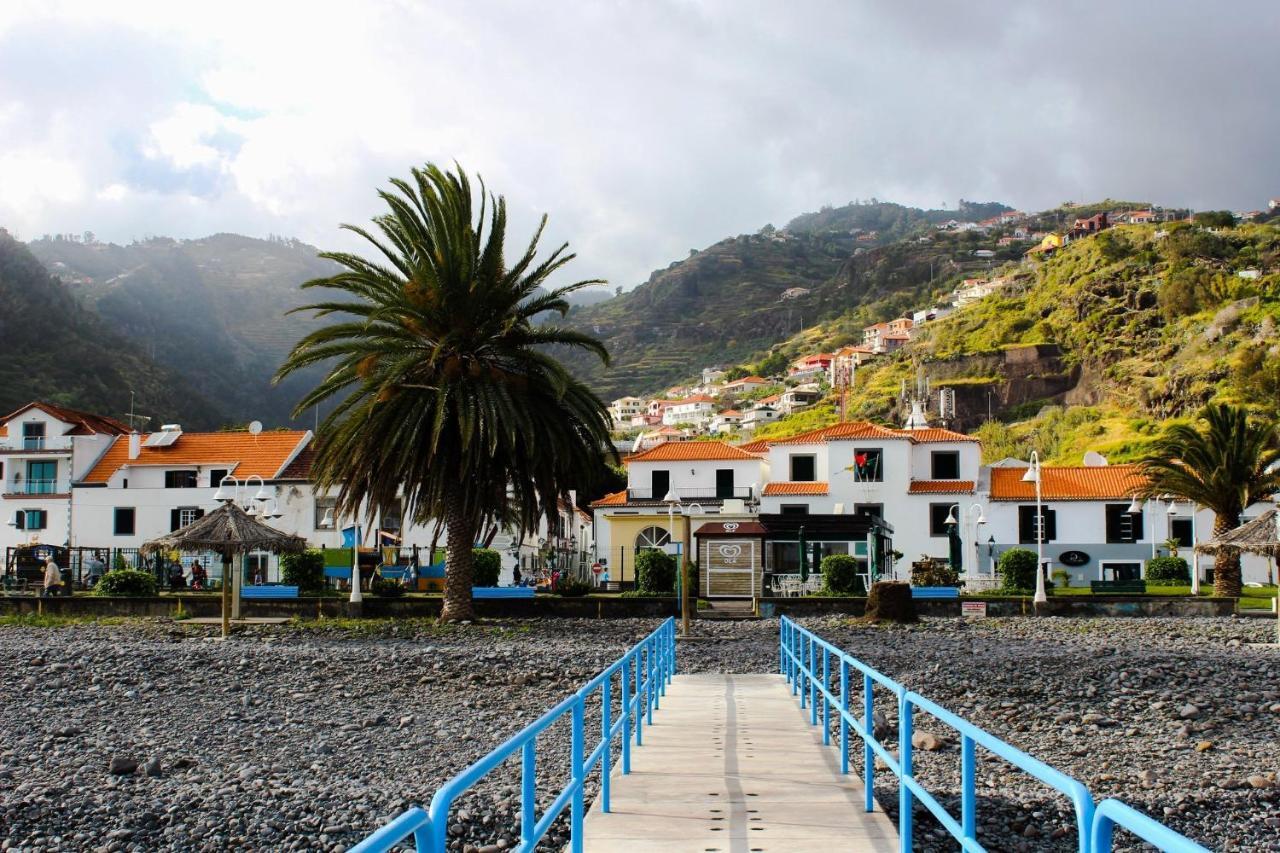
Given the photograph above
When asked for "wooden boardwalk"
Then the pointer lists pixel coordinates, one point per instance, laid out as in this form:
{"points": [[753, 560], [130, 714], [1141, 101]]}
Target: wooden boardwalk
{"points": [[731, 765]]}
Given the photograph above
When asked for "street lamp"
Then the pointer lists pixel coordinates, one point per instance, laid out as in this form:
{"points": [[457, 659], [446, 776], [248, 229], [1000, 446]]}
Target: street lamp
{"points": [[1195, 557], [239, 493], [1033, 476], [964, 517], [672, 500]]}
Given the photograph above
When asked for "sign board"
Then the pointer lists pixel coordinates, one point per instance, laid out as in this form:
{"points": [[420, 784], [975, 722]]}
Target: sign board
{"points": [[1073, 558], [974, 609], [596, 568]]}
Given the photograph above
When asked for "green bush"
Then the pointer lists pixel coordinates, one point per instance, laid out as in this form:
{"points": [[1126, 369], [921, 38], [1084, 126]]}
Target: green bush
{"points": [[1017, 570], [486, 566], [126, 582], [655, 572], [840, 574], [572, 588], [1061, 577], [304, 570], [386, 587], [932, 572], [1173, 571]]}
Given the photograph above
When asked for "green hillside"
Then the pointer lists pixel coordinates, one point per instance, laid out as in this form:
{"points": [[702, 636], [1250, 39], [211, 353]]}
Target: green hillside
{"points": [[56, 350]]}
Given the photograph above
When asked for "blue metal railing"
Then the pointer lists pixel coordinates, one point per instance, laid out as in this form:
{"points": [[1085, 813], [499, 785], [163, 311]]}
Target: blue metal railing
{"points": [[807, 662], [642, 675]]}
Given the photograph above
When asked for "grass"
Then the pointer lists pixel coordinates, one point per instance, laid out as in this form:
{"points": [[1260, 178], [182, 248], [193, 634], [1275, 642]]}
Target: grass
{"points": [[42, 620], [1252, 598]]}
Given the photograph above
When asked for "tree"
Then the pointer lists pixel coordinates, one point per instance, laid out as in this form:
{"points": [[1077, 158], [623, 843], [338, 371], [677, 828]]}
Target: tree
{"points": [[450, 397], [1223, 462]]}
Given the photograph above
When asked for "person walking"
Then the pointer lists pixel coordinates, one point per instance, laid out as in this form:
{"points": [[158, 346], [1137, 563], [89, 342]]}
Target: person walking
{"points": [[52, 579]]}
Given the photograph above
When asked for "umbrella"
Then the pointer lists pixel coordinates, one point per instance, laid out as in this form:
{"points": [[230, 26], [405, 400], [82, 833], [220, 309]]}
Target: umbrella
{"points": [[1259, 536], [956, 553], [804, 557], [229, 530]]}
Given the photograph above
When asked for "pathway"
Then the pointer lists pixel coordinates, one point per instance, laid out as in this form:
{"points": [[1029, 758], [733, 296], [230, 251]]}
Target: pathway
{"points": [[731, 764]]}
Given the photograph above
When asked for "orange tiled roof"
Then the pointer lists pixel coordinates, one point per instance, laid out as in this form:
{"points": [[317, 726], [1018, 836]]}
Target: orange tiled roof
{"points": [[264, 454], [300, 467], [614, 499], [941, 487], [850, 430], [697, 398], [691, 451], [1068, 483], [791, 488], [936, 434], [760, 445], [82, 422], [759, 380]]}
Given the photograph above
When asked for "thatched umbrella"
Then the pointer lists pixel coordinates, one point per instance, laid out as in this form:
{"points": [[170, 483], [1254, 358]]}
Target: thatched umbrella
{"points": [[228, 530], [1259, 536]]}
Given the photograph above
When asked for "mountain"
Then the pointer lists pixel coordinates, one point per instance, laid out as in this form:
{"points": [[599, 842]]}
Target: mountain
{"points": [[737, 297], [213, 310], [55, 349]]}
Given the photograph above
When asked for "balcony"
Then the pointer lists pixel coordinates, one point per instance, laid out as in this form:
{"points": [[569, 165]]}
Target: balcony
{"points": [[35, 444], [693, 494], [36, 488]]}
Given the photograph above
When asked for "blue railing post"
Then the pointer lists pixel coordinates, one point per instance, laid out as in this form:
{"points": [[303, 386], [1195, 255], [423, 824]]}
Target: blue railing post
{"points": [[626, 719], [826, 705], [650, 689], [576, 809], [844, 716], [782, 646], [904, 763], [868, 756], [639, 699], [606, 729], [813, 688], [968, 785], [528, 788]]}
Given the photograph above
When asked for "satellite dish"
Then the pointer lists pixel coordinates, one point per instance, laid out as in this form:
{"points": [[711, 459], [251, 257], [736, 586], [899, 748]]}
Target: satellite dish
{"points": [[1093, 459], [255, 427]]}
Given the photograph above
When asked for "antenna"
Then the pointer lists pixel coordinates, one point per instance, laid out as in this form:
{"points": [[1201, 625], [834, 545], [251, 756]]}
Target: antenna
{"points": [[131, 417]]}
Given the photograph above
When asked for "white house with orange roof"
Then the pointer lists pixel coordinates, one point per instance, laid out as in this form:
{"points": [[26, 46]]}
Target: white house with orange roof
{"points": [[695, 410], [809, 366], [725, 422], [44, 448], [744, 385]]}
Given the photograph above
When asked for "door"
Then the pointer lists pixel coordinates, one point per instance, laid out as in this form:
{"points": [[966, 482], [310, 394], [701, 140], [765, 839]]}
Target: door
{"points": [[41, 477], [724, 483], [661, 484]]}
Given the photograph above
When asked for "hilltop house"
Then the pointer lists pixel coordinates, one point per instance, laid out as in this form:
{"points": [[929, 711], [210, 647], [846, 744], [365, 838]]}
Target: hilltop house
{"points": [[696, 410], [725, 422], [845, 361], [809, 366], [744, 385], [799, 397], [761, 413], [623, 409]]}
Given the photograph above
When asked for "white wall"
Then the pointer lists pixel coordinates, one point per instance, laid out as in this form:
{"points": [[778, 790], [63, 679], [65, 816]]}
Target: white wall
{"points": [[696, 478]]}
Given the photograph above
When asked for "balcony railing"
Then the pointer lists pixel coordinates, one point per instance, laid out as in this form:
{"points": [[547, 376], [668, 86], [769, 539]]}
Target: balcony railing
{"points": [[37, 487], [36, 443], [693, 493]]}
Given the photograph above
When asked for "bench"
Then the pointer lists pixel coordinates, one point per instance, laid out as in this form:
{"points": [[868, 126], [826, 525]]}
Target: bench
{"points": [[272, 591], [502, 592], [935, 592], [1118, 587]]}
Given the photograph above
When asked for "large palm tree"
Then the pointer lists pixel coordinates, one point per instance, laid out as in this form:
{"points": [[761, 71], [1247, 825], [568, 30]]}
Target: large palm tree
{"points": [[448, 394], [1225, 462]]}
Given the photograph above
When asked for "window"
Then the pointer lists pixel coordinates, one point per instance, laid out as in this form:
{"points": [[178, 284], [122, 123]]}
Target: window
{"points": [[125, 521], [179, 479], [183, 515], [326, 517], [804, 468], [660, 484], [724, 482], [652, 537], [33, 436], [391, 517], [42, 478], [1180, 530], [876, 510], [31, 519], [1120, 571], [1027, 524], [216, 475], [868, 465], [945, 465], [1122, 525], [938, 515], [794, 509]]}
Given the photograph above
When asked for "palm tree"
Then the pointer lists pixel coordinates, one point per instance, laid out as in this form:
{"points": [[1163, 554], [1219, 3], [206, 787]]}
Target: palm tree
{"points": [[1225, 462], [449, 395]]}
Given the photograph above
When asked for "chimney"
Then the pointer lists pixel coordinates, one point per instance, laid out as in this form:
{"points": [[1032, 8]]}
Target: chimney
{"points": [[135, 444]]}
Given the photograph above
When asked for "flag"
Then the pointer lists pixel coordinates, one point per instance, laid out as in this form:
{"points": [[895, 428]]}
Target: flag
{"points": [[349, 536]]}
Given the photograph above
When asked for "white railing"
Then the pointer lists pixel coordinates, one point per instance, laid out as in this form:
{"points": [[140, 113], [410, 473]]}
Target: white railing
{"points": [[36, 443], [37, 487]]}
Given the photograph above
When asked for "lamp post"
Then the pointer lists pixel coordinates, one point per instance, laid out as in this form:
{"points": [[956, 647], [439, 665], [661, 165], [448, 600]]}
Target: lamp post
{"points": [[356, 595], [956, 516], [239, 494], [1033, 476], [1195, 557], [672, 500]]}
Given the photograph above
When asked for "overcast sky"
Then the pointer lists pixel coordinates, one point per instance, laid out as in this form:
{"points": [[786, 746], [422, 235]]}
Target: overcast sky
{"points": [[643, 128]]}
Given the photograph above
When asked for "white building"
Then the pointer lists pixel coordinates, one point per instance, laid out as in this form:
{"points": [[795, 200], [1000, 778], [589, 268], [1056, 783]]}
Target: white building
{"points": [[799, 398], [758, 415], [623, 409], [745, 385], [43, 449], [696, 410], [725, 422]]}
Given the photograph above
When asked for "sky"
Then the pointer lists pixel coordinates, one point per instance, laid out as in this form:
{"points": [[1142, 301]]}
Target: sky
{"points": [[643, 129]]}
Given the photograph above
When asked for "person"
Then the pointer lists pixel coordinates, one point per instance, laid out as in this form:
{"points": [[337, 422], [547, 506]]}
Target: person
{"points": [[515, 574], [52, 578], [199, 578], [176, 579], [97, 568]]}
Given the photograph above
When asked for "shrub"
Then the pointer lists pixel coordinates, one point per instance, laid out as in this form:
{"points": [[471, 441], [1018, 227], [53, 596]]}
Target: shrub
{"points": [[934, 572], [1169, 570], [304, 570], [890, 601], [1017, 570], [486, 566], [126, 582], [655, 572], [840, 574], [386, 587], [572, 587], [1061, 576]]}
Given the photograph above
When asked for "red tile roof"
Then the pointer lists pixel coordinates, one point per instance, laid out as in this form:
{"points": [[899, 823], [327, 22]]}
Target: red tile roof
{"points": [[848, 431], [941, 487], [691, 451], [615, 499], [789, 488], [1068, 483], [83, 423], [264, 454], [300, 467], [747, 380], [760, 445], [930, 434]]}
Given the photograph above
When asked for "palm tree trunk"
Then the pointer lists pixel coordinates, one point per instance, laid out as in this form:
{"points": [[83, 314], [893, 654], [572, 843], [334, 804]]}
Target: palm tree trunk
{"points": [[1226, 567], [459, 540]]}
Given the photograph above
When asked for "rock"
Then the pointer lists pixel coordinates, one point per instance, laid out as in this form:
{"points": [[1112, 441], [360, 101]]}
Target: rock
{"points": [[1189, 712], [121, 766], [152, 768], [1257, 781], [1204, 746], [927, 741]]}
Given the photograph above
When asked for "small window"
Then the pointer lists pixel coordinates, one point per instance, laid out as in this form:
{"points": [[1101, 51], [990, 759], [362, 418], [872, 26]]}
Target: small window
{"points": [[804, 468], [876, 510], [125, 521], [1180, 530], [794, 509], [660, 484], [1122, 525], [868, 465], [945, 465], [183, 515], [215, 476], [33, 435], [652, 537], [938, 515], [1027, 530], [326, 517], [33, 519], [179, 479]]}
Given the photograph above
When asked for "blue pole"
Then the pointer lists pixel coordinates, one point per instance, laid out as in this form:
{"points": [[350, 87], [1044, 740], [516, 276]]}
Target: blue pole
{"points": [[606, 697], [844, 716], [626, 717], [826, 703], [639, 698], [577, 807], [904, 760], [968, 794], [868, 755], [813, 699], [528, 787]]}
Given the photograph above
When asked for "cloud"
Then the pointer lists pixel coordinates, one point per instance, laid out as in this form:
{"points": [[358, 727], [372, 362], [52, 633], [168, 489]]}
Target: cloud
{"points": [[643, 128]]}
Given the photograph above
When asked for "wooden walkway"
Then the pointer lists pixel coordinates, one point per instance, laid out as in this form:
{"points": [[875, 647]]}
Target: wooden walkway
{"points": [[731, 765]]}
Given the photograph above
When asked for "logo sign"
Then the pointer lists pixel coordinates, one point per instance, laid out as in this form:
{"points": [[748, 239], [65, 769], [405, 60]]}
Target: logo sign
{"points": [[975, 609], [596, 568], [730, 526], [730, 553], [1073, 558]]}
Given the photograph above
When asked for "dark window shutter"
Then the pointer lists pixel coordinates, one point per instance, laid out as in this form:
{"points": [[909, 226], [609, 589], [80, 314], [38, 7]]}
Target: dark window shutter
{"points": [[199, 513], [1050, 525], [173, 520], [20, 519], [1026, 524]]}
